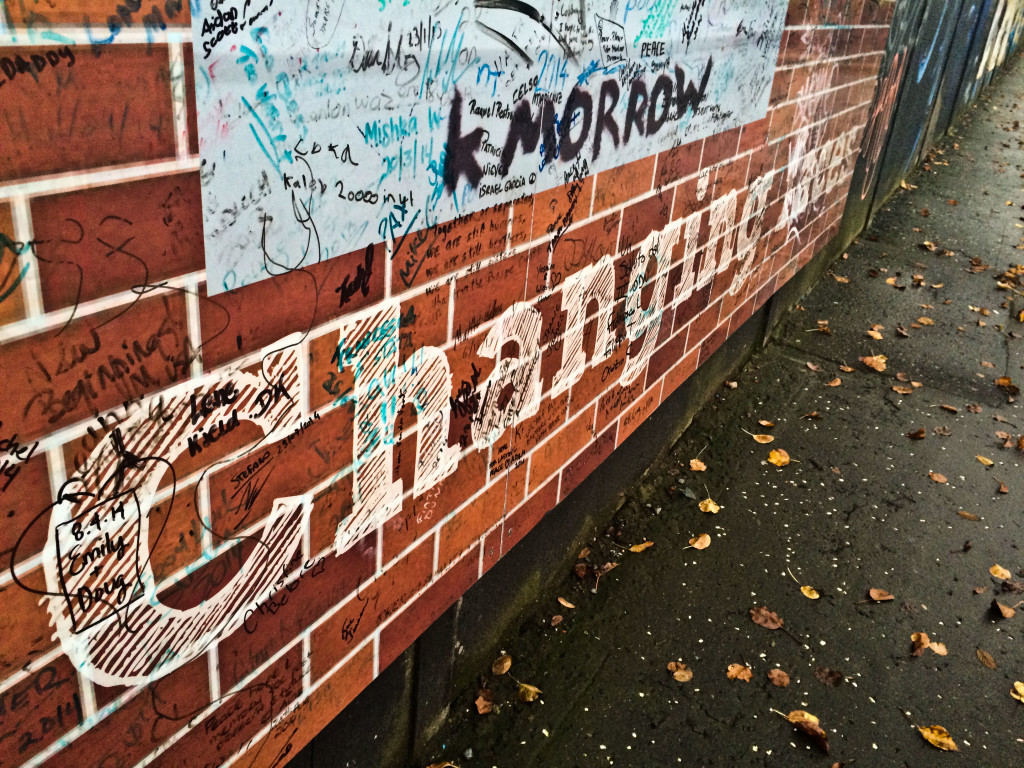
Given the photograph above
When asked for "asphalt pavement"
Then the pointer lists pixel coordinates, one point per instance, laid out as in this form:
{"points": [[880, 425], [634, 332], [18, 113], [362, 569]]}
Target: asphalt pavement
{"points": [[892, 392]]}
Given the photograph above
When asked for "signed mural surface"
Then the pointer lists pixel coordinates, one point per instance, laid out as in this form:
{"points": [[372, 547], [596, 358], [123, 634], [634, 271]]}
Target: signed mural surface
{"points": [[326, 126]]}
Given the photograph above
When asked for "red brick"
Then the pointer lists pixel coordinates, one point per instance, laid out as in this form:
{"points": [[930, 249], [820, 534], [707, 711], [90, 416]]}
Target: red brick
{"points": [[573, 251], [12, 305], [430, 253], [239, 717], [552, 455], [623, 183], [37, 15], [640, 219], [24, 623], [703, 325], [638, 413], [299, 727], [279, 618], [679, 162], [330, 507], [82, 110], [69, 376], [424, 321], [24, 496], [522, 220], [720, 147], [478, 517], [39, 710], [591, 457], [555, 210], [155, 713], [522, 520], [410, 623], [421, 513], [364, 612], [679, 373], [237, 322], [107, 239], [754, 135], [616, 399], [711, 344], [516, 442], [782, 121], [780, 86], [665, 357], [489, 291], [190, 99], [492, 549], [175, 533]]}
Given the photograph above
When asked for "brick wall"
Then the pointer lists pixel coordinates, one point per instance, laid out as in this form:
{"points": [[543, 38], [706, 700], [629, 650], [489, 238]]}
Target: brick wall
{"points": [[583, 308]]}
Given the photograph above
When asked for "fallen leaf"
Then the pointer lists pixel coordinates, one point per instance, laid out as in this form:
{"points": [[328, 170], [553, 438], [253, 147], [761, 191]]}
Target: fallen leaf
{"points": [[875, 335], [528, 693], [1018, 691], [732, 384], [986, 658], [921, 643], [943, 431], [903, 390], [765, 618], [828, 676], [502, 664], [1003, 610], [763, 439], [841, 279], [949, 408], [980, 590], [565, 603], [739, 672], [810, 593], [999, 572], [925, 321], [810, 725], [701, 542], [835, 382], [939, 737], [709, 506], [765, 423], [484, 702], [583, 553], [875, 362], [680, 672], [986, 462], [880, 595], [556, 620], [939, 648], [641, 547], [968, 516], [697, 465], [812, 416], [814, 367], [974, 408], [442, 765], [845, 369], [928, 245], [1003, 488], [778, 457], [938, 478], [778, 678], [917, 434]]}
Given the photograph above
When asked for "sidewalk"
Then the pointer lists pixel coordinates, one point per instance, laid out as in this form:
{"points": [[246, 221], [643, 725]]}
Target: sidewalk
{"points": [[860, 506]]}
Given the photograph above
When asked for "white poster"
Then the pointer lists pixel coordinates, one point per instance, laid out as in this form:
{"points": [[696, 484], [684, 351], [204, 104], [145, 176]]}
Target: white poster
{"points": [[328, 125]]}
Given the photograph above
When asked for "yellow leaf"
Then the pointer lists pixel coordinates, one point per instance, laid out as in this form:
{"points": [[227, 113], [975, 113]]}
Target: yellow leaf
{"points": [[763, 439], [939, 648], [778, 457], [841, 279], [565, 603], [528, 693], [986, 462], [502, 664], [939, 737], [739, 672], [875, 335], [701, 542], [641, 547], [709, 506], [811, 726], [1018, 691], [921, 643], [680, 672], [925, 321], [810, 592], [875, 362], [697, 465], [1000, 573]]}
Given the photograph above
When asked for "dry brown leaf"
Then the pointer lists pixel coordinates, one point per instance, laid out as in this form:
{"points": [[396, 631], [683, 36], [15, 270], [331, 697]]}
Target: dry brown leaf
{"points": [[810, 593], [999, 572], [880, 595], [442, 765], [739, 672], [949, 408], [778, 678], [938, 478], [556, 620], [1004, 488], [939, 648], [709, 506], [501, 665], [778, 457], [986, 462], [921, 643], [528, 693], [1003, 610], [680, 672], [875, 335], [841, 279], [763, 439], [484, 701], [986, 658], [641, 547], [811, 726], [875, 362], [1018, 691], [917, 434], [836, 382], [845, 369], [766, 423], [565, 603], [968, 516], [697, 465], [903, 390], [814, 367], [829, 676], [765, 618], [939, 737], [701, 542], [925, 321]]}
